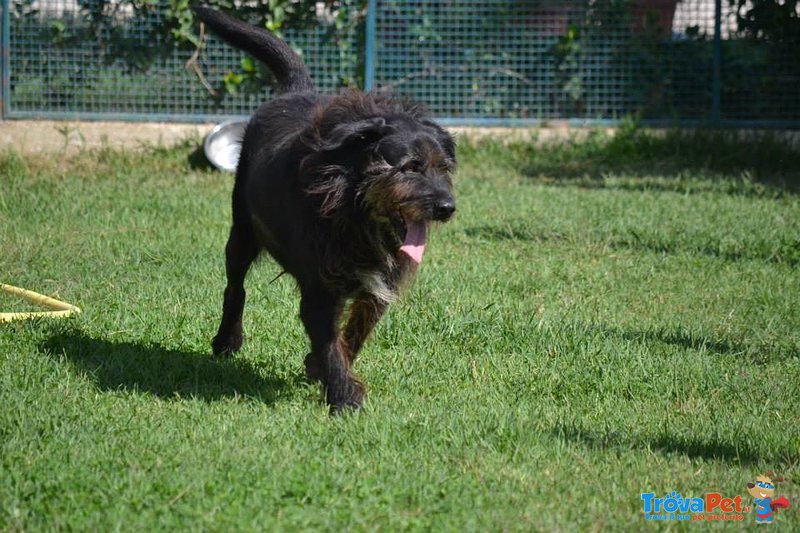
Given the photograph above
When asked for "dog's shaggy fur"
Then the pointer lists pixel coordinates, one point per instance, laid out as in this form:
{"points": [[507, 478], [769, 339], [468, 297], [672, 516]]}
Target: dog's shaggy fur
{"points": [[340, 190]]}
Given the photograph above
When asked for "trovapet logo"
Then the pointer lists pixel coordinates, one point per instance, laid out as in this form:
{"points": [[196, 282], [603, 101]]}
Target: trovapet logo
{"points": [[674, 506], [714, 507]]}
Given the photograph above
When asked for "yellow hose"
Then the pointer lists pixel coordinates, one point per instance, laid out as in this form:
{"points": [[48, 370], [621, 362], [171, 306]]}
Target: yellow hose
{"points": [[59, 308]]}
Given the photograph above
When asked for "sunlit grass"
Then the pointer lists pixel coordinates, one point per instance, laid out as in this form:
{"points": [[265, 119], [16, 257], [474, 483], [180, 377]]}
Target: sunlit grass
{"points": [[602, 318]]}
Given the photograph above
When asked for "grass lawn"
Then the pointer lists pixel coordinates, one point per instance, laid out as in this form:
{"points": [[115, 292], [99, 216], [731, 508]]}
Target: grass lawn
{"points": [[601, 319]]}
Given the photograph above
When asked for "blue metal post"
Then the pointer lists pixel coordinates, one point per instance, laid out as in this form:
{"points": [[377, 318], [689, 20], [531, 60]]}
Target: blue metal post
{"points": [[5, 63], [716, 87], [369, 59]]}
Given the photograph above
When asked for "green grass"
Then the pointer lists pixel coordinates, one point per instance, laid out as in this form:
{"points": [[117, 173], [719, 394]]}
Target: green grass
{"points": [[602, 318]]}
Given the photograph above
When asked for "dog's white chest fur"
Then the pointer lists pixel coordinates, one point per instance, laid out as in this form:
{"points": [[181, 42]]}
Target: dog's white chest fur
{"points": [[374, 283]]}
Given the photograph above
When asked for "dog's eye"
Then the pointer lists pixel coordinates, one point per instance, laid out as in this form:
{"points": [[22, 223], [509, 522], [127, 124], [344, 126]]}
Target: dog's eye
{"points": [[412, 166]]}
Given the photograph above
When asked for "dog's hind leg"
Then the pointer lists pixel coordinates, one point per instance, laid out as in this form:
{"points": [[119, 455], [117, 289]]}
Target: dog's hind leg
{"points": [[365, 313], [320, 312], [240, 252]]}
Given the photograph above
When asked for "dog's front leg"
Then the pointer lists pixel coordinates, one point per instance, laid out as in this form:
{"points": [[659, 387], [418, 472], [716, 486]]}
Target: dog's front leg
{"points": [[320, 312], [240, 252], [365, 313]]}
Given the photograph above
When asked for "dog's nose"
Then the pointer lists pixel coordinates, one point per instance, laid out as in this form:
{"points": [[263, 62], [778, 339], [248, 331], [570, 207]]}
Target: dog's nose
{"points": [[444, 210]]}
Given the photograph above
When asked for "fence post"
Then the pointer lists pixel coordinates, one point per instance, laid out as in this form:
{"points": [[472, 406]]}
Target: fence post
{"points": [[5, 60], [369, 59], [716, 86]]}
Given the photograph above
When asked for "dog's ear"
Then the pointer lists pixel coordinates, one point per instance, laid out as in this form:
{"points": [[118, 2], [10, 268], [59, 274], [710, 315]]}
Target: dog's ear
{"points": [[364, 131], [445, 139]]}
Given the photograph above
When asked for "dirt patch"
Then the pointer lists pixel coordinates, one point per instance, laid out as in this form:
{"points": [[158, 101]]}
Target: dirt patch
{"points": [[28, 136]]}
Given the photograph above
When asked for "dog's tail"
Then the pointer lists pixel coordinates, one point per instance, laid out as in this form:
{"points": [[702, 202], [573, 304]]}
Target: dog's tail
{"points": [[285, 64]]}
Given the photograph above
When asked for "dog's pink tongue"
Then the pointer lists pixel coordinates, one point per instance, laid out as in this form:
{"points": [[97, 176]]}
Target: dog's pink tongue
{"points": [[414, 245]]}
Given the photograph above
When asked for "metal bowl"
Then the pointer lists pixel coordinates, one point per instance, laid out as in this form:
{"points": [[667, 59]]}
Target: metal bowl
{"points": [[224, 144]]}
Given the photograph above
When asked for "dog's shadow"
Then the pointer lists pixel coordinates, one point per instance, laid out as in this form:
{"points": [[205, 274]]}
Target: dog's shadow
{"points": [[163, 372]]}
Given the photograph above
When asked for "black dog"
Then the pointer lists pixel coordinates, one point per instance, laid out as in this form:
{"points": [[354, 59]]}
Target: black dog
{"points": [[340, 190]]}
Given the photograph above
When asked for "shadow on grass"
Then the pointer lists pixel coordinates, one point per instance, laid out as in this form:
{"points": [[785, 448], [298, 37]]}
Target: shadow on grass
{"points": [[694, 447], [698, 341], [166, 373], [510, 233], [681, 339], [683, 161], [780, 251]]}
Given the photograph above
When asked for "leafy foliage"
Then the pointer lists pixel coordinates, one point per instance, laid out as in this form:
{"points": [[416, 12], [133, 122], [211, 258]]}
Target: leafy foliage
{"points": [[775, 21], [118, 28]]}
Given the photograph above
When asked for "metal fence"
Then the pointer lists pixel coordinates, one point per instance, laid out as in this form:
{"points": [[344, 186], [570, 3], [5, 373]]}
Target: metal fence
{"points": [[501, 62]]}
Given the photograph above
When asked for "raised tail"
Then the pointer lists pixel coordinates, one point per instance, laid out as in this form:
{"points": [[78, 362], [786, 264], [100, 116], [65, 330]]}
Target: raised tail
{"points": [[289, 70]]}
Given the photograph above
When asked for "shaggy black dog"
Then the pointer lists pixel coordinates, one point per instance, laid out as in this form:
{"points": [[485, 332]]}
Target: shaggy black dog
{"points": [[341, 191]]}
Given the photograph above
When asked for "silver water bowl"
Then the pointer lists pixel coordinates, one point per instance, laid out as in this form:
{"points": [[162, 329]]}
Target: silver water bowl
{"points": [[223, 144]]}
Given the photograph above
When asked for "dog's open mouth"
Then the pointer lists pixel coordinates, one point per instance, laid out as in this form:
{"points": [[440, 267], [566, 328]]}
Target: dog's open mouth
{"points": [[414, 235]]}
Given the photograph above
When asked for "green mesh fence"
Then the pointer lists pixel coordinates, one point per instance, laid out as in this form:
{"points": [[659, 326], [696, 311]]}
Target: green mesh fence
{"points": [[488, 60], [471, 61], [103, 59]]}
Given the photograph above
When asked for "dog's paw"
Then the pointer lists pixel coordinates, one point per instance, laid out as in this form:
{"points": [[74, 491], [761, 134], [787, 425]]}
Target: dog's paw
{"points": [[348, 398], [227, 344]]}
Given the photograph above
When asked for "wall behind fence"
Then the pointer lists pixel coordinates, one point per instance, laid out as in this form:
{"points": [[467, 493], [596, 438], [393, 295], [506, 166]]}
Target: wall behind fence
{"points": [[471, 61]]}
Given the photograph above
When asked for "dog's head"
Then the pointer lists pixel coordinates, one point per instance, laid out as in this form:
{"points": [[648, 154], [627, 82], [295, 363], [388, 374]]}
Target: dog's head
{"points": [[394, 169]]}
